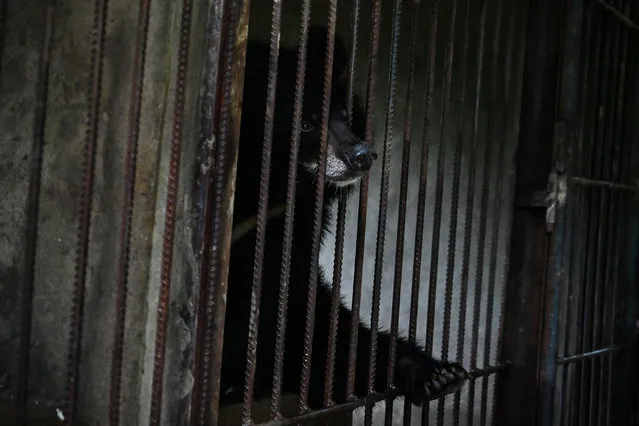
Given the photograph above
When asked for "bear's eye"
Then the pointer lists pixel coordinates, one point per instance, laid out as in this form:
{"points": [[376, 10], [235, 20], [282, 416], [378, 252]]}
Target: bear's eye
{"points": [[306, 126]]}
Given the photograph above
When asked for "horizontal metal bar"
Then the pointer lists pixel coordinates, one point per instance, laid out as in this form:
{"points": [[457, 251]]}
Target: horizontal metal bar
{"points": [[371, 399], [485, 372], [593, 354], [604, 184], [619, 15]]}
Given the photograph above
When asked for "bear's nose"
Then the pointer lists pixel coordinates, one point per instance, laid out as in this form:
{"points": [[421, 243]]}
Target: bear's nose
{"points": [[360, 157]]}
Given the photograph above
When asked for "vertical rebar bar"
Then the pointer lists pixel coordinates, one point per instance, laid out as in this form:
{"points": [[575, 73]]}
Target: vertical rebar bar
{"points": [[454, 207], [483, 213], [439, 185], [617, 228], [169, 220], [591, 56], [363, 199], [229, 115], [258, 263], [470, 189], [565, 136], [602, 195], [571, 338], [289, 213], [215, 33], [86, 199], [33, 209], [383, 205], [401, 221], [513, 105], [606, 214], [319, 201], [500, 102], [341, 215], [335, 298], [593, 171], [423, 181]]}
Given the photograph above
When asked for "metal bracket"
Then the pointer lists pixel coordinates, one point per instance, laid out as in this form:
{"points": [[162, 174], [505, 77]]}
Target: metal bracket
{"points": [[557, 193]]}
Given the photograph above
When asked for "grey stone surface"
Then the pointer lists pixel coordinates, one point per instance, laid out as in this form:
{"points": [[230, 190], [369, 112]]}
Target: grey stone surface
{"points": [[63, 151]]}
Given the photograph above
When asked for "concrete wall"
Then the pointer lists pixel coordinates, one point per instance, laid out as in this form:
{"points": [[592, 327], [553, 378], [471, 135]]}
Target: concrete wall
{"points": [[23, 30]]}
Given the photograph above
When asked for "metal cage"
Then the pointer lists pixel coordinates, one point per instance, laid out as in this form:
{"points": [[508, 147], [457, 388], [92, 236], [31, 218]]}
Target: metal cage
{"points": [[500, 229]]}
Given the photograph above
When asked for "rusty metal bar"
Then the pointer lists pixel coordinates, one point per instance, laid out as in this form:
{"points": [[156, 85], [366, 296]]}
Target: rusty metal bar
{"points": [[504, 40], [456, 152], [572, 293], [289, 215], [350, 95], [84, 208], [383, 208], [616, 227], [590, 82], [341, 221], [577, 231], [221, 118], [33, 209], [516, 392], [470, 188], [229, 115], [401, 221], [594, 170], [565, 136], [605, 215], [319, 200], [592, 354], [335, 298], [483, 216], [512, 90], [603, 184], [368, 400], [209, 112], [439, 189], [169, 220], [432, 286], [258, 263], [423, 180], [363, 198]]}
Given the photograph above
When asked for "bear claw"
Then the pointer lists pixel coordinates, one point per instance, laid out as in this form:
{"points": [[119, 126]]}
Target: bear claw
{"points": [[426, 381]]}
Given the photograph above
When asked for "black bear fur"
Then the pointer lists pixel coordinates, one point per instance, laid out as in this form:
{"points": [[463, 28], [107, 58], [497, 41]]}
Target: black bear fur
{"points": [[418, 376]]}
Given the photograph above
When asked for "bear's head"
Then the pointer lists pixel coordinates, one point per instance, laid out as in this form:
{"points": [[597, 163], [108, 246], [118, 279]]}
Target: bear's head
{"points": [[348, 155]]}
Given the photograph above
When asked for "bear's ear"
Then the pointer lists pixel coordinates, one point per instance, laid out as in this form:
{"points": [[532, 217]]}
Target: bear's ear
{"points": [[316, 49]]}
